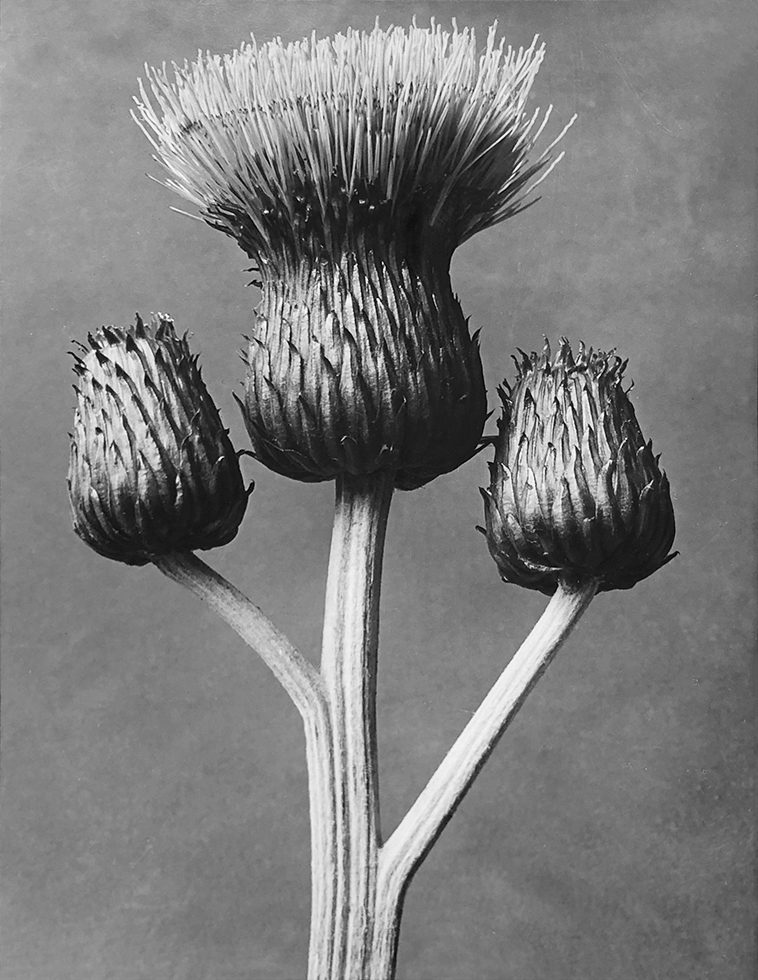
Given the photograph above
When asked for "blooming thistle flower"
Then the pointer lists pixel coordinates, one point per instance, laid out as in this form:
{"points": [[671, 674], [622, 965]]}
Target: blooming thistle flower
{"points": [[575, 490], [152, 471], [349, 169]]}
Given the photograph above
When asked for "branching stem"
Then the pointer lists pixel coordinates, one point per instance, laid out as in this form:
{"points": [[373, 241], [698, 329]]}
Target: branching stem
{"points": [[412, 840], [359, 884]]}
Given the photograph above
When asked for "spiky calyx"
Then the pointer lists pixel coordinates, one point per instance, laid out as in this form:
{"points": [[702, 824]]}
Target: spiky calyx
{"points": [[575, 490], [349, 169], [369, 368], [152, 471]]}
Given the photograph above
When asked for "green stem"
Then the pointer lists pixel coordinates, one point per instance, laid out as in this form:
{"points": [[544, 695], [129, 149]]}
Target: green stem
{"points": [[349, 664], [303, 683], [412, 840]]}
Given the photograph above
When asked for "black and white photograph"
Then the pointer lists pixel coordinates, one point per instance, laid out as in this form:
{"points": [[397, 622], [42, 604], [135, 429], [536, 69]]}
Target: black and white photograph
{"points": [[378, 489]]}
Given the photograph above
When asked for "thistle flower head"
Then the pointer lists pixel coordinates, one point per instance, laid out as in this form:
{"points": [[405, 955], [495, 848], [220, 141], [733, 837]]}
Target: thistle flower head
{"points": [[349, 169], [575, 489], [305, 145], [152, 470]]}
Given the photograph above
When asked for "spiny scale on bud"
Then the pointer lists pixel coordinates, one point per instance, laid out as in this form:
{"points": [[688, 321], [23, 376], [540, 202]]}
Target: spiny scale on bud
{"points": [[152, 471], [349, 169], [575, 490]]}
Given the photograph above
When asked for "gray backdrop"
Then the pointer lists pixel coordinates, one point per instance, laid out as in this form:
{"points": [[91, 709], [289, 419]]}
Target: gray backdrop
{"points": [[154, 799]]}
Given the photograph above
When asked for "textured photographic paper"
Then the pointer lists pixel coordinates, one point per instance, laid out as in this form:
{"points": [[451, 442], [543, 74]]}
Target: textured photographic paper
{"points": [[155, 818]]}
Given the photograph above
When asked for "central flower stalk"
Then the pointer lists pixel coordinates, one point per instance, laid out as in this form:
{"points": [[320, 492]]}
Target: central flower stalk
{"points": [[349, 169]]}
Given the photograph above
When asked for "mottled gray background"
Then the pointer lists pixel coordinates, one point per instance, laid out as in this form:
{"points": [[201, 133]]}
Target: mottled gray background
{"points": [[154, 818]]}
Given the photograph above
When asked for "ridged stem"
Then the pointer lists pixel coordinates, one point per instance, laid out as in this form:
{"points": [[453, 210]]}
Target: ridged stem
{"points": [[401, 855], [303, 683], [349, 664]]}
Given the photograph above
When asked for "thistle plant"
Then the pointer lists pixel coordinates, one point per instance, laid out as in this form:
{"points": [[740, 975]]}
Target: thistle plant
{"points": [[349, 169]]}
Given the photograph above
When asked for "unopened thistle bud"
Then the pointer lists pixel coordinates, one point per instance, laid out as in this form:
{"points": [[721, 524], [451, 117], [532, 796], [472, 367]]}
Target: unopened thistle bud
{"points": [[575, 490], [152, 470], [349, 169]]}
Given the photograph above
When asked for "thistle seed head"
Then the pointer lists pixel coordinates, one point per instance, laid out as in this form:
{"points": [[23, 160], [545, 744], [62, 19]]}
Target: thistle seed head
{"points": [[349, 169], [575, 490], [292, 149], [152, 470]]}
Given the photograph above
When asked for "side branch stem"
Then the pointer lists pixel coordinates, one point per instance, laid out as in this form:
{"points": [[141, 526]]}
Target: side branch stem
{"points": [[302, 682], [298, 676], [411, 841]]}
